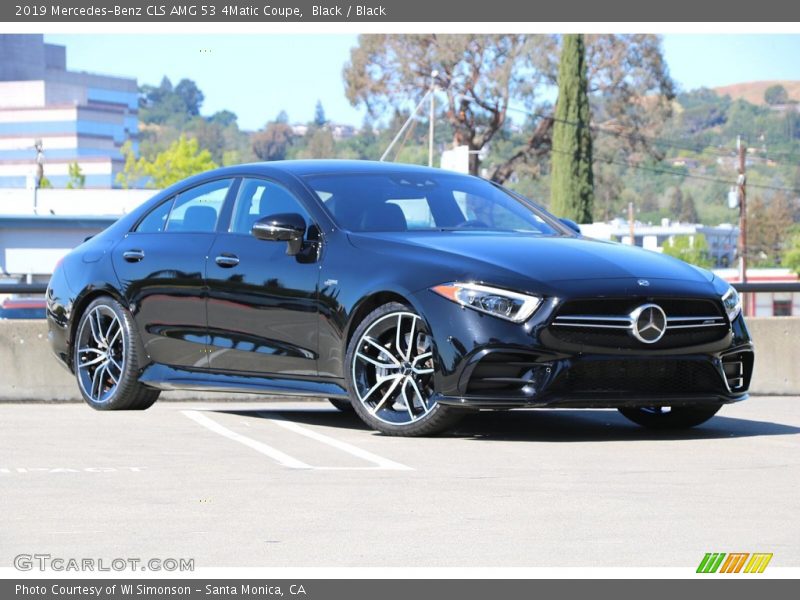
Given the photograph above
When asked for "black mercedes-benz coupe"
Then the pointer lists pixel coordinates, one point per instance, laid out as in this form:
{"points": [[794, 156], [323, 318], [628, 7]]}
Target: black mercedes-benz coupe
{"points": [[408, 294]]}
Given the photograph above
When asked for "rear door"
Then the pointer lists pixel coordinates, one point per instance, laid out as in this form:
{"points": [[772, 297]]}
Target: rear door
{"points": [[161, 265], [262, 303]]}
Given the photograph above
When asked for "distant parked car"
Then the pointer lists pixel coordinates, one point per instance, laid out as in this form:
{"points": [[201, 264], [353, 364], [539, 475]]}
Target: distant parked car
{"points": [[407, 294], [23, 308]]}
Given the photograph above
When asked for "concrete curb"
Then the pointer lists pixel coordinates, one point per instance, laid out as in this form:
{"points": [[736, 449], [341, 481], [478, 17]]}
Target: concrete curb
{"points": [[28, 370]]}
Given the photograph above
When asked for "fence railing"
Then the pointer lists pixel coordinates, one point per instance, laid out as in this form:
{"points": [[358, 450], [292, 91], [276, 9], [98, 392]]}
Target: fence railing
{"points": [[749, 287]]}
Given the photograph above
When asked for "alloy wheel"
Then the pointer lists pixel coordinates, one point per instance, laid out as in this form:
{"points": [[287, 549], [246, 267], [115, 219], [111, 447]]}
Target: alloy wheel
{"points": [[392, 369], [100, 359]]}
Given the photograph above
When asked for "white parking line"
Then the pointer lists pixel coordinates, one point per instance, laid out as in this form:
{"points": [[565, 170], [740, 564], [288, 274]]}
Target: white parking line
{"points": [[381, 462], [275, 454], [284, 459]]}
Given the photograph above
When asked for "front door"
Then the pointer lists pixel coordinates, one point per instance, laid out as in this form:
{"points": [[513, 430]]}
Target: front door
{"points": [[262, 303]]}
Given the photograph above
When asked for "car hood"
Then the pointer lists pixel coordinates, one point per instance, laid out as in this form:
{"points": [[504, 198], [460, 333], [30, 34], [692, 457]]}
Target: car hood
{"points": [[540, 258]]}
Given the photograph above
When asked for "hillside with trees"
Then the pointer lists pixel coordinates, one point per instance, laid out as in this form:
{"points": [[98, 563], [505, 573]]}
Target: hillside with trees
{"points": [[671, 153]]}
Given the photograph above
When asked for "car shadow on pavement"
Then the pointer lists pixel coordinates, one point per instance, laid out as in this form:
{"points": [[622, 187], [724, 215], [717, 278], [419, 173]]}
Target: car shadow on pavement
{"points": [[584, 425], [587, 425]]}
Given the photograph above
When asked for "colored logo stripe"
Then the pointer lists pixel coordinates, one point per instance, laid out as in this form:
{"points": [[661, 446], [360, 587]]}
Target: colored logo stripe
{"points": [[735, 561], [758, 563], [711, 562]]}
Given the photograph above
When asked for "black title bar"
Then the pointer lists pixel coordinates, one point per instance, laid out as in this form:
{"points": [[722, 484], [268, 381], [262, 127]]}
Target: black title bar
{"points": [[496, 11]]}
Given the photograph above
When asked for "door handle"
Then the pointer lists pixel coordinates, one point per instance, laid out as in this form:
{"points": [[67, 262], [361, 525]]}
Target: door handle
{"points": [[133, 255], [227, 261]]}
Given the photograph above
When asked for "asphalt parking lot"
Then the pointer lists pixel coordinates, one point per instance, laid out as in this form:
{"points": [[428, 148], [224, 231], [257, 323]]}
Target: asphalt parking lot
{"points": [[300, 484]]}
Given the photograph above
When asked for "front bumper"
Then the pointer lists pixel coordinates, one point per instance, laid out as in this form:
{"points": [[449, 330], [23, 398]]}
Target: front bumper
{"points": [[488, 363]]}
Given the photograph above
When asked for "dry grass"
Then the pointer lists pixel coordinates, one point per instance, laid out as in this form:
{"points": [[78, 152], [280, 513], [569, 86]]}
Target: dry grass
{"points": [[753, 91]]}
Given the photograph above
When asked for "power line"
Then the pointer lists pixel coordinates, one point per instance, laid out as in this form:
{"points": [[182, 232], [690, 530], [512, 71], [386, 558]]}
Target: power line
{"points": [[682, 174], [655, 169], [640, 137]]}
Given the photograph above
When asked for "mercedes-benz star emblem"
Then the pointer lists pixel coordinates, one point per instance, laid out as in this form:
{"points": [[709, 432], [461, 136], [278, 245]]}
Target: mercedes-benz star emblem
{"points": [[643, 282], [649, 323]]}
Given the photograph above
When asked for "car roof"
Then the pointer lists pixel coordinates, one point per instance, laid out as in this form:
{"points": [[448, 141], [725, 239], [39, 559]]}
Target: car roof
{"points": [[302, 168]]}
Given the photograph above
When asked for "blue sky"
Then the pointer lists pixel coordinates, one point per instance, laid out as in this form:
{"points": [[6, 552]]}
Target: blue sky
{"points": [[256, 76]]}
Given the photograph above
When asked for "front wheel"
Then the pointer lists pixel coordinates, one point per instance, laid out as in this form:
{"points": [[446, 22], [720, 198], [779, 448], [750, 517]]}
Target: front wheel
{"points": [[106, 359], [342, 405], [670, 417], [391, 370]]}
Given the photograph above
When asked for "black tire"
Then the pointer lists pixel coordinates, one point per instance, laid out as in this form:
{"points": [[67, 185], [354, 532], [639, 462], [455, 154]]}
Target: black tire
{"points": [[107, 337], [424, 417], [342, 405], [678, 417]]}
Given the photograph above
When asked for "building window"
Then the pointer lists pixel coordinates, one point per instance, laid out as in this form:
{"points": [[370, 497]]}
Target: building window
{"points": [[782, 308]]}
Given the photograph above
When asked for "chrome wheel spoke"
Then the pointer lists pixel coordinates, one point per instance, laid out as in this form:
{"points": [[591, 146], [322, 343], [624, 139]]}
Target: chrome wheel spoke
{"points": [[420, 357], [114, 378], [377, 363], [114, 362], [94, 323], [407, 402], [419, 394], [97, 382], [397, 335], [100, 359], [383, 350], [387, 395]]}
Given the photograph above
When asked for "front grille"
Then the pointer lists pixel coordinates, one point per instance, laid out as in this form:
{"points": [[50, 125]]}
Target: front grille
{"points": [[606, 322], [640, 377]]}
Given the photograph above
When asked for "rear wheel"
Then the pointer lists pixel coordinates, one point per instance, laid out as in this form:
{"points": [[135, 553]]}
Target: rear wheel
{"points": [[106, 359], [670, 417], [391, 370]]}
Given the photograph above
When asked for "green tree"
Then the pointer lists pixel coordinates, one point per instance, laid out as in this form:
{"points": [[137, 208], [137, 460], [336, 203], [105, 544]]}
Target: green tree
{"points": [[675, 198], [690, 249], [791, 256], [180, 160], [319, 115], [77, 180], [572, 179], [320, 145], [190, 95], [225, 118], [688, 212], [273, 142], [776, 94]]}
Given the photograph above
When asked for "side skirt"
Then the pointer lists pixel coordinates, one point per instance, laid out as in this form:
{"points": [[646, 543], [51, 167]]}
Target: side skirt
{"points": [[163, 377]]}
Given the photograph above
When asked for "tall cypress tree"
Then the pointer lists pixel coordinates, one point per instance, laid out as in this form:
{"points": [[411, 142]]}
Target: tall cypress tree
{"points": [[572, 181]]}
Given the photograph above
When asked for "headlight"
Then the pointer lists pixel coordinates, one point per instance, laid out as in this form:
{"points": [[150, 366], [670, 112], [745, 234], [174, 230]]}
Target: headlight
{"points": [[511, 306], [732, 303]]}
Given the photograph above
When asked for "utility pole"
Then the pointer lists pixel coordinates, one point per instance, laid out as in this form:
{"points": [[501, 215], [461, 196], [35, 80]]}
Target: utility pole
{"points": [[39, 147], [432, 117], [741, 182]]}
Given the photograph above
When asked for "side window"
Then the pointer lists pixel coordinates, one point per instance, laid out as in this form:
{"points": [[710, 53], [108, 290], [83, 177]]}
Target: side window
{"points": [[156, 221], [198, 209], [260, 198]]}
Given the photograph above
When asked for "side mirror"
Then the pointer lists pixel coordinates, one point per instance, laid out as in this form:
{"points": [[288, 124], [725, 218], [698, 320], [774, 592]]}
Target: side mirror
{"points": [[571, 224], [283, 227]]}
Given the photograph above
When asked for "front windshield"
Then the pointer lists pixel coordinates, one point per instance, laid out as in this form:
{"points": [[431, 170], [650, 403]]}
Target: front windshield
{"points": [[425, 202]]}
